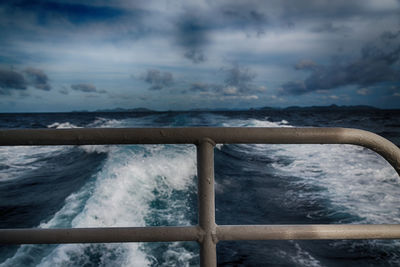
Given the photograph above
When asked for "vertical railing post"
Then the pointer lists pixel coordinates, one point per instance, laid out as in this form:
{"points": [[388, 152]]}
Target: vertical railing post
{"points": [[206, 202]]}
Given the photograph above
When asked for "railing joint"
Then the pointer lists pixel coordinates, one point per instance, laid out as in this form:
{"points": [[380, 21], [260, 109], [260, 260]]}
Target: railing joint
{"points": [[214, 236], [206, 140], [201, 234]]}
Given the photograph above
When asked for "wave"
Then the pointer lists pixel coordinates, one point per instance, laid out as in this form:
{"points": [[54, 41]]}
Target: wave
{"points": [[17, 160], [354, 178], [332, 183], [131, 181], [62, 125], [156, 185]]}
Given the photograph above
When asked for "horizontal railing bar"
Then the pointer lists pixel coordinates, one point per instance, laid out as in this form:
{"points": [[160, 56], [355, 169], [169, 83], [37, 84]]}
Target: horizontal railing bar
{"points": [[100, 235], [238, 135], [193, 233], [308, 232], [289, 135]]}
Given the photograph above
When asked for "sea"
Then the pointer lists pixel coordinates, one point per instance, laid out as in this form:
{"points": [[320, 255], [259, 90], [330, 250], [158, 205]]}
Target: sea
{"points": [[156, 185]]}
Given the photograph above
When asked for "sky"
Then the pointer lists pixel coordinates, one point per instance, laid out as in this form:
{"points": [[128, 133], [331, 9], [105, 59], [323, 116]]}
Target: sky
{"points": [[177, 55]]}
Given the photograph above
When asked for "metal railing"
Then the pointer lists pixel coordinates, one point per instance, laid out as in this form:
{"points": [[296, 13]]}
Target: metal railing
{"points": [[207, 233]]}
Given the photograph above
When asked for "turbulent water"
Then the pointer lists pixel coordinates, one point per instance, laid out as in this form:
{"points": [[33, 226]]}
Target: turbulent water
{"points": [[152, 185]]}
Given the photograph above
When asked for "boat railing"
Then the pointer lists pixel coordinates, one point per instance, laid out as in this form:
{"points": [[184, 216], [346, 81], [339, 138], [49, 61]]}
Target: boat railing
{"points": [[207, 233]]}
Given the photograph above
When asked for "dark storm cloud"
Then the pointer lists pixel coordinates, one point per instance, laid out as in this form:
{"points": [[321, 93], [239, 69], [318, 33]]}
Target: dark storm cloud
{"points": [[196, 25], [294, 88], [37, 78], [157, 79], [24, 94], [193, 29], [64, 90], [196, 55], [327, 11], [84, 87], [38, 21], [238, 83], [374, 66], [192, 35], [245, 17], [16, 80], [200, 87], [75, 13], [240, 77], [387, 36], [305, 64], [11, 80], [87, 88], [330, 28], [326, 15]]}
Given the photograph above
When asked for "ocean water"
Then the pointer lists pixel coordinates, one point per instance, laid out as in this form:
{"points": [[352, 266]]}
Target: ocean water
{"points": [[153, 185]]}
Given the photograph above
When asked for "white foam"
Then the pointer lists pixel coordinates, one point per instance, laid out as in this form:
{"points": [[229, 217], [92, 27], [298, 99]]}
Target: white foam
{"points": [[16, 160], [300, 258], [62, 219], [101, 122], [304, 258], [20, 159], [121, 196], [255, 123], [63, 125], [355, 179], [123, 123], [176, 256]]}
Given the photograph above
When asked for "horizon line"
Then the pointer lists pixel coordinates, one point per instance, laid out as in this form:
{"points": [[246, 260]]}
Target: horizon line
{"points": [[148, 110]]}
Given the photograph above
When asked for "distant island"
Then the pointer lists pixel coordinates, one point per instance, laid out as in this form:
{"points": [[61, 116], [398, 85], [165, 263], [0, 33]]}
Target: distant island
{"points": [[291, 108], [125, 110], [117, 110], [333, 107]]}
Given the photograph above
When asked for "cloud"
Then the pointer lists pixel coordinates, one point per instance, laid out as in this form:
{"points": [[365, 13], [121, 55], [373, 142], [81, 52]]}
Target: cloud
{"points": [[37, 78], [293, 88], [240, 78], [340, 10], [202, 87], [194, 29], [63, 90], [76, 13], [87, 88], [374, 66], [230, 90], [52, 22], [329, 27], [84, 87], [246, 17], [11, 80], [238, 84], [305, 64], [259, 15], [192, 34], [84, 36], [24, 94], [202, 21], [363, 91], [195, 55], [395, 90], [388, 36], [157, 79]]}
